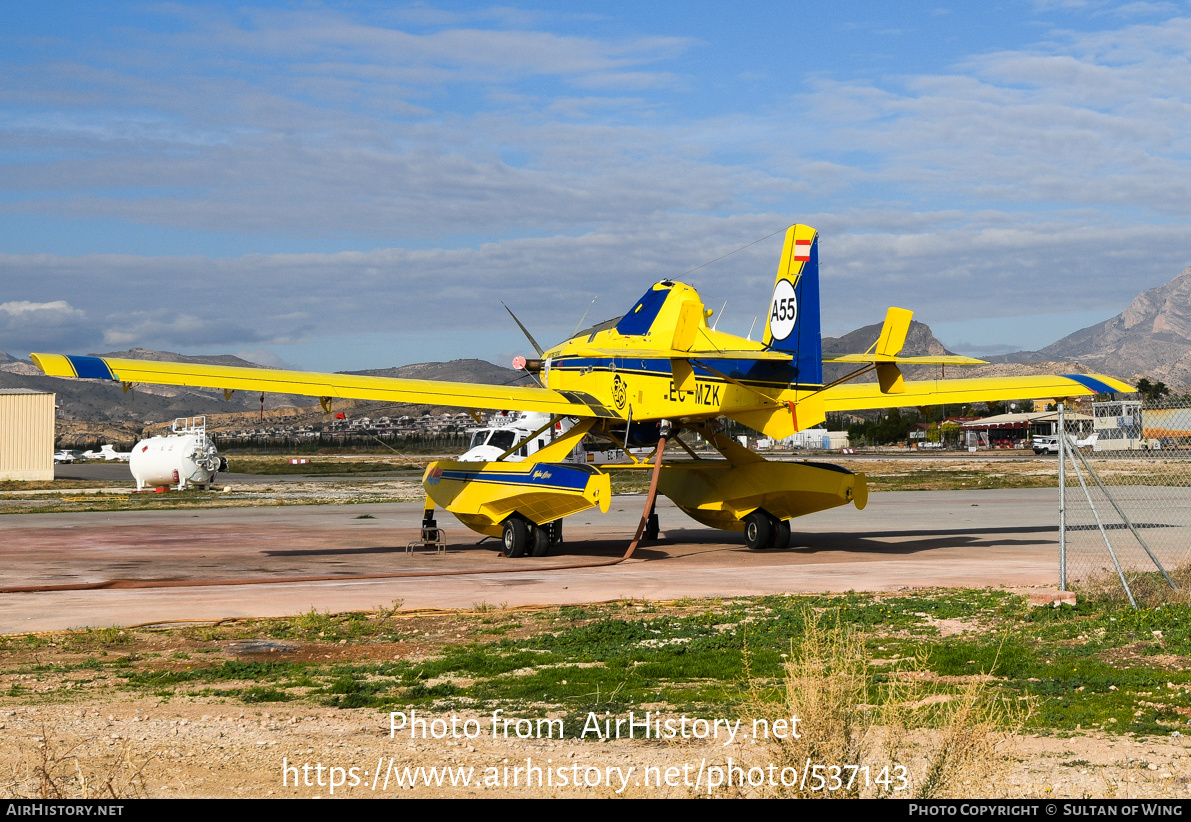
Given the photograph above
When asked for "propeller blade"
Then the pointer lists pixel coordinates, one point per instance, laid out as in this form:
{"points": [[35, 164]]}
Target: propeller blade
{"points": [[524, 330]]}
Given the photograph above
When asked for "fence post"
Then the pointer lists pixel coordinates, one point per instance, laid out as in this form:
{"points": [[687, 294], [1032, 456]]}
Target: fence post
{"points": [[1062, 501]]}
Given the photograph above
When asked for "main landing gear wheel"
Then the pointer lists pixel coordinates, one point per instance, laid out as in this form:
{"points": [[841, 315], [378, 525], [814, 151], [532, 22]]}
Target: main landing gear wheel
{"points": [[539, 540], [515, 537], [758, 530], [781, 533], [762, 531]]}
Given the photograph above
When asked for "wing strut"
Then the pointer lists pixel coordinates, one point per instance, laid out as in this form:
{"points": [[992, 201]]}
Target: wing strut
{"points": [[650, 497]]}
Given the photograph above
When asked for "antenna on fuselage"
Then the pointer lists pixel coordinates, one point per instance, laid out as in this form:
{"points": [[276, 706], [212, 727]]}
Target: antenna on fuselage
{"points": [[717, 316], [579, 324], [751, 327]]}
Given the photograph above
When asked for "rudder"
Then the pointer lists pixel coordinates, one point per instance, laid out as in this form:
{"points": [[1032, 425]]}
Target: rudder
{"points": [[792, 325]]}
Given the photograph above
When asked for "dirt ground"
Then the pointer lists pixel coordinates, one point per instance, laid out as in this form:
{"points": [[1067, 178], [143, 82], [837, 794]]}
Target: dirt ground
{"points": [[144, 747]]}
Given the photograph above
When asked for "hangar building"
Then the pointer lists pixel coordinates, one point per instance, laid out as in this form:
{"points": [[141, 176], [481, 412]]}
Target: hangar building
{"points": [[26, 434]]}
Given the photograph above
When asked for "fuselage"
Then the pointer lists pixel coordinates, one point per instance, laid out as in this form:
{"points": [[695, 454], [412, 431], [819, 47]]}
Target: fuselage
{"points": [[624, 362]]}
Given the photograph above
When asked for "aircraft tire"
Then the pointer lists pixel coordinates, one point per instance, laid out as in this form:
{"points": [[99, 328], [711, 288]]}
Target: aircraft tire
{"points": [[515, 537], [758, 530], [781, 533], [539, 540], [652, 528]]}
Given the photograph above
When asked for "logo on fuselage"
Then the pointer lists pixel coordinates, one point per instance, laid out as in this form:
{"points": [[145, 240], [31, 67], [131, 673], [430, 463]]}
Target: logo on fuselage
{"points": [[620, 391]]}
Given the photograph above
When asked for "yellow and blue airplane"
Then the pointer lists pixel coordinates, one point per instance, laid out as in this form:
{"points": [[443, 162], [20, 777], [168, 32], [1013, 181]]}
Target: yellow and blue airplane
{"points": [[637, 381]]}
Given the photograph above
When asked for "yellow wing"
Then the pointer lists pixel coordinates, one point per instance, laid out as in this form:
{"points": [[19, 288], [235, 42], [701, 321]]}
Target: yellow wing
{"points": [[944, 359], [343, 386], [856, 396]]}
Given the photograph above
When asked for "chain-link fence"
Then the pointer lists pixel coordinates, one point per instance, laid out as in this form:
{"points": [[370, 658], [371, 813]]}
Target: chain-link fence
{"points": [[1126, 498]]}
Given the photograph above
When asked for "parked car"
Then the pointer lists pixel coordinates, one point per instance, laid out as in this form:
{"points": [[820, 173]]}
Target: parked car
{"points": [[1046, 445]]}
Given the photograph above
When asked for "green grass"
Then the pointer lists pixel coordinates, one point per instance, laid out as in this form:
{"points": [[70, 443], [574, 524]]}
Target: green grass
{"points": [[1096, 666]]}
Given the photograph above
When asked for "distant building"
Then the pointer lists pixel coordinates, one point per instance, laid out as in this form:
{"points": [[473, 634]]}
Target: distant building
{"points": [[1119, 425], [26, 434], [1017, 430]]}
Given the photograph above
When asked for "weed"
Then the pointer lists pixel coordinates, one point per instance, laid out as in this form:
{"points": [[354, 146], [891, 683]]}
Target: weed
{"points": [[965, 749], [50, 771], [1148, 587], [384, 614], [110, 636], [258, 694], [897, 735], [825, 687]]}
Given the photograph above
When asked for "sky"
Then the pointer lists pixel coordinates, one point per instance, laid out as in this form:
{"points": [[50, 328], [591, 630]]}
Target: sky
{"points": [[340, 186]]}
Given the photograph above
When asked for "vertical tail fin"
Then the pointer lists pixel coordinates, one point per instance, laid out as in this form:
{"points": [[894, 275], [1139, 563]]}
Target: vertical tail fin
{"points": [[793, 323]]}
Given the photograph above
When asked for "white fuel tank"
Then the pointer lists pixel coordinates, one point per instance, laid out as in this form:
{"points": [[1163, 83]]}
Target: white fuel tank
{"points": [[183, 458]]}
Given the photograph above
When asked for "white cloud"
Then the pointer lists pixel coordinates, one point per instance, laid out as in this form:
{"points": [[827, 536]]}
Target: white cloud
{"points": [[27, 325], [56, 310], [1001, 265], [1092, 119]]}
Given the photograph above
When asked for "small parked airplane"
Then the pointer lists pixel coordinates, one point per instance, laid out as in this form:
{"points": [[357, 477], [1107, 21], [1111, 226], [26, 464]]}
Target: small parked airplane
{"points": [[1049, 444], [108, 452], [638, 381]]}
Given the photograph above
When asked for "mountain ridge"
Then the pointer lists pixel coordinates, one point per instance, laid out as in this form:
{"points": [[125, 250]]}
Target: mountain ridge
{"points": [[1151, 338]]}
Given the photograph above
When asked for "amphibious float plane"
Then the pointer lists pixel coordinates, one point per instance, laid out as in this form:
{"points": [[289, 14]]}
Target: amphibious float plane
{"points": [[639, 380]]}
